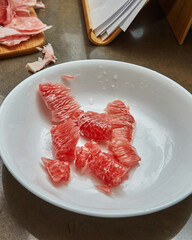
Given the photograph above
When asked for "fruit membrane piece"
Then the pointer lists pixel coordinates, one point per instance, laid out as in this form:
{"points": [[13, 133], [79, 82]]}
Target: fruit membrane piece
{"points": [[118, 114], [104, 189], [68, 77], [58, 170], [124, 152], [64, 138], [95, 126], [59, 100]]}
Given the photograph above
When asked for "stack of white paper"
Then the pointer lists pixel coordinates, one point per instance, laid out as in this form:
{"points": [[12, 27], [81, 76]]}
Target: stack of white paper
{"points": [[107, 15]]}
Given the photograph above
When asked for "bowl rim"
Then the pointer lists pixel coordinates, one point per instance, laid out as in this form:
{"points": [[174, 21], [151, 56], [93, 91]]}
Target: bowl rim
{"points": [[72, 208]]}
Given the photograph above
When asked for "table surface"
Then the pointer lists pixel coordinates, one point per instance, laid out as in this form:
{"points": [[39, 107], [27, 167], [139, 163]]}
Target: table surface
{"points": [[149, 42]]}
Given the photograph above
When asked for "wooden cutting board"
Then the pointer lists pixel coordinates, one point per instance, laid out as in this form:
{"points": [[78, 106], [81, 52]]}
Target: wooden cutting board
{"points": [[24, 47]]}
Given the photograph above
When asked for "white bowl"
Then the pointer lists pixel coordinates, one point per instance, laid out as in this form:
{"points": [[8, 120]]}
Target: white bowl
{"points": [[163, 138]]}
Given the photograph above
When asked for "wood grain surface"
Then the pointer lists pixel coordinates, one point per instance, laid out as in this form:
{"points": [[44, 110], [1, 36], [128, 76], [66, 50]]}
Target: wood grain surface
{"points": [[179, 16], [23, 48]]}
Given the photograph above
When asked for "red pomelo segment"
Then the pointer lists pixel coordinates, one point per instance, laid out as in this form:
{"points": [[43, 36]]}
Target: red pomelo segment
{"points": [[104, 189], [57, 170], [93, 147], [105, 167], [85, 153], [95, 126], [117, 107], [59, 101], [118, 114], [65, 137], [81, 157], [120, 121], [124, 133], [109, 171], [124, 152]]}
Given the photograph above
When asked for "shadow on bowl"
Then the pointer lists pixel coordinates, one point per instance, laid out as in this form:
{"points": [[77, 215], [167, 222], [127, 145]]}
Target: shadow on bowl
{"points": [[45, 221]]}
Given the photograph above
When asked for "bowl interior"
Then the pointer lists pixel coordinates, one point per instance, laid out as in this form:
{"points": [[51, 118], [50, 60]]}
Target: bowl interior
{"points": [[163, 113]]}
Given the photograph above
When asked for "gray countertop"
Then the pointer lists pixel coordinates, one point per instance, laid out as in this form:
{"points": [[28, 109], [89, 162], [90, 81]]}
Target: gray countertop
{"points": [[149, 42]]}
